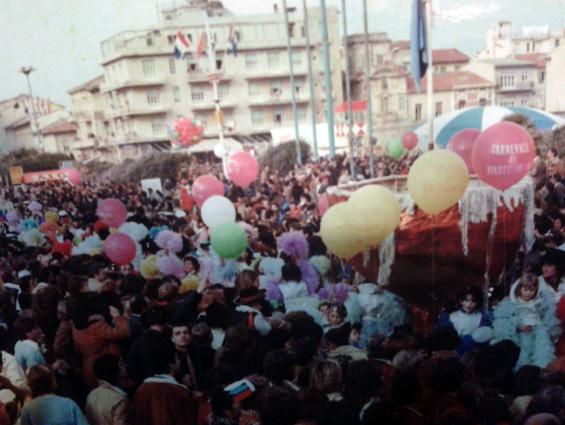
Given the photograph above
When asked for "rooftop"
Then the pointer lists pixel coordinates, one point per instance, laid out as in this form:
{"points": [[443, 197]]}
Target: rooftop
{"points": [[90, 85], [62, 126], [450, 81], [539, 59], [443, 56]]}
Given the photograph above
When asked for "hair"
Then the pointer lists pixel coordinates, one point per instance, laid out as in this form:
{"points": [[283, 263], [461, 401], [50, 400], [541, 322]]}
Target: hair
{"points": [[161, 358], [326, 376], [107, 368], [340, 309], [217, 315], [41, 380], [22, 326], [201, 333], [194, 261], [526, 279], [291, 272], [75, 284], [475, 292], [245, 279]]}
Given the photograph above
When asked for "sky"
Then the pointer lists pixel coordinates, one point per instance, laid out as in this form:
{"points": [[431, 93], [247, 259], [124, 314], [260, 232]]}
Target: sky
{"points": [[61, 38]]}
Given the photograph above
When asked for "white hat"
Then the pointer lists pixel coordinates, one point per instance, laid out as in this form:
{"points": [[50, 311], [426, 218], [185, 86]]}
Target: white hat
{"points": [[23, 273], [62, 213]]}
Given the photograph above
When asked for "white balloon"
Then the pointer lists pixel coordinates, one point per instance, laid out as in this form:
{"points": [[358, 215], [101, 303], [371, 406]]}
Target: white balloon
{"points": [[219, 150], [217, 210]]}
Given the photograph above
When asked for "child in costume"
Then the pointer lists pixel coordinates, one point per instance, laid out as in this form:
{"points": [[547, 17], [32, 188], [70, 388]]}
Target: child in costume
{"points": [[527, 317], [471, 324]]}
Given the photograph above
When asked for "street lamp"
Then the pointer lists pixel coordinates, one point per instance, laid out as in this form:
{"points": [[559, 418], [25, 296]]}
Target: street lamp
{"points": [[26, 70]]}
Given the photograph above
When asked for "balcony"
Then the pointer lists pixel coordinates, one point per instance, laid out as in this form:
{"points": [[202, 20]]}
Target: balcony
{"points": [[195, 77], [275, 74], [139, 110], [105, 88], [133, 137], [276, 100], [519, 86], [202, 106]]}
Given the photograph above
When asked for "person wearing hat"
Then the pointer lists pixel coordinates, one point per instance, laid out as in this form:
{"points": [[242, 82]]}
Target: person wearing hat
{"points": [[249, 312]]}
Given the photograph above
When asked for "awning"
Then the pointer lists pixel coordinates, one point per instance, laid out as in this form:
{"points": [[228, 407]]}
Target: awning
{"points": [[207, 145]]}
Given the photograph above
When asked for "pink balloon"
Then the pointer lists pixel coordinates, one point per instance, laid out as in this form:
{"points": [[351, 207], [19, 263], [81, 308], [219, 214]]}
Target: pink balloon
{"points": [[120, 248], [503, 154], [188, 132], [112, 212], [242, 169], [462, 144], [323, 204], [73, 176], [410, 140], [206, 186]]}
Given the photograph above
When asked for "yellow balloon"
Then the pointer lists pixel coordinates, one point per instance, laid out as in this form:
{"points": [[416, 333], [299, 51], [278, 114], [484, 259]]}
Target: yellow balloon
{"points": [[376, 211], [338, 234], [51, 217], [149, 269], [437, 180]]}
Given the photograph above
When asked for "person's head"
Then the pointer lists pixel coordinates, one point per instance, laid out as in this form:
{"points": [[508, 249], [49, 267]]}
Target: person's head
{"points": [[180, 336], [246, 279], [337, 314], [107, 368], [201, 333], [217, 315], [27, 328], [41, 380], [543, 419], [325, 376], [291, 273], [191, 264], [324, 308], [470, 300], [355, 334], [214, 293], [77, 284], [552, 153], [527, 287], [549, 268]]}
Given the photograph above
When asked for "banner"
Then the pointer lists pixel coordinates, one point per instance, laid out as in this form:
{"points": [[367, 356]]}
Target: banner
{"points": [[16, 174], [69, 174]]}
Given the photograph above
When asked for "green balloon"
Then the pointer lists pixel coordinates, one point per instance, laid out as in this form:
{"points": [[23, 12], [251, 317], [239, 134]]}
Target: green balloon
{"points": [[395, 149], [228, 240]]}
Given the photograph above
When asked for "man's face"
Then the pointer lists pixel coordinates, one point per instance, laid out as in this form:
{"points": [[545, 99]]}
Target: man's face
{"points": [[181, 336]]}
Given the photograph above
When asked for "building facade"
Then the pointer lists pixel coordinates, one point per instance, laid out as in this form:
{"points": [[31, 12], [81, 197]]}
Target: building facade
{"points": [[145, 89]]}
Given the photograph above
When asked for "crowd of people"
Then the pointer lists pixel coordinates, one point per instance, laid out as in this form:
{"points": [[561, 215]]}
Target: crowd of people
{"points": [[287, 334]]}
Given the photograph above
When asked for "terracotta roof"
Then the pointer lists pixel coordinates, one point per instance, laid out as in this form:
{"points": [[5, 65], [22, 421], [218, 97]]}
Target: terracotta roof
{"points": [[450, 81], [401, 44], [538, 58], [441, 56], [356, 105], [62, 126], [90, 85]]}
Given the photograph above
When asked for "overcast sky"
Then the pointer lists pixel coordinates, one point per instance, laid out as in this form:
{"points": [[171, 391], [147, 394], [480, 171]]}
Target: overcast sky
{"points": [[61, 38]]}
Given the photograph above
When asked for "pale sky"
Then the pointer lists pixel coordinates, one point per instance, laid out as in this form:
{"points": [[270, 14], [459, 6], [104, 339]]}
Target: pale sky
{"points": [[61, 38]]}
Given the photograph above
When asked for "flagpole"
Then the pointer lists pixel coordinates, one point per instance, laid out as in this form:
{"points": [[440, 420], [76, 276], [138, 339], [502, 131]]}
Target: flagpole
{"points": [[430, 77], [348, 93], [311, 82], [328, 80], [368, 82], [210, 47], [292, 86]]}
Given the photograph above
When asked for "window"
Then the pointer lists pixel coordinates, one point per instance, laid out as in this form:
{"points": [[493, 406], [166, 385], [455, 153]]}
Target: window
{"points": [[203, 120], [418, 112], [256, 117], [482, 101], [153, 97], [507, 81], [149, 41], [527, 47], [278, 116], [296, 58], [297, 90], [276, 89], [197, 94], [556, 42], [461, 104], [379, 60], [524, 77], [401, 102], [253, 89], [273, 59], [301, 114], [172, 66], [524, 101], [218, 64], [384, 84], [176, 94], [291, 30], [541, 77], [251, 61], [439, 109], [192, 66], [442, 69], [157, 126], [384, 105], [148, 67], [171, 38], [223, 91]]}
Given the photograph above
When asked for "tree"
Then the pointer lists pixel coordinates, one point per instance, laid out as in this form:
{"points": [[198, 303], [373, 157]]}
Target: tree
{"points": [[282, 157], [525, 122], [31, 160]]}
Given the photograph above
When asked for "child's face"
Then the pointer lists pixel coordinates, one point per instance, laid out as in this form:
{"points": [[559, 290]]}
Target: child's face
{"points": [[528, 291], [354, 336], [468, 304], [324, 309], [335, 318]]}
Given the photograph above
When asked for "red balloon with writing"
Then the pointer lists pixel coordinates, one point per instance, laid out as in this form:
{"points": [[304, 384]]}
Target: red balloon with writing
{"points": [[503, 154]]}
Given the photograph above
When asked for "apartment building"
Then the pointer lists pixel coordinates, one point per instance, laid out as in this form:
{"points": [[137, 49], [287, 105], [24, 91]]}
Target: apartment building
{"points": [[145, 89], [555, 82]]}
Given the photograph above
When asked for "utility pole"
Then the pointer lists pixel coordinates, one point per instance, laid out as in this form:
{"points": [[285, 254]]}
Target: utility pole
{"points": [[311, 81], [328, 80], [26, 70], [368, 82], [348, 94], [292, 85]]}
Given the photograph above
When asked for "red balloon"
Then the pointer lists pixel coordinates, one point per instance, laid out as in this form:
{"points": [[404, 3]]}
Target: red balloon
{"points": [[185, 200], [323, 204], [188, 131], [206, 186], [462, 144], [112, 212], [64, 248], [242, 168], [503, 154], [48, 227], [120, 248], [410, 140]]}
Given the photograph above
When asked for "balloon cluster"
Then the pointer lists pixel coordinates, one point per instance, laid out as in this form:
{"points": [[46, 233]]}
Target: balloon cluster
{"points": [[369, 216], [187, 132]]}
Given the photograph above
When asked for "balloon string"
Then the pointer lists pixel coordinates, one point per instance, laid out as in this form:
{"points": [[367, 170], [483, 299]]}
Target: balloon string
{"points": [[434, 306]]}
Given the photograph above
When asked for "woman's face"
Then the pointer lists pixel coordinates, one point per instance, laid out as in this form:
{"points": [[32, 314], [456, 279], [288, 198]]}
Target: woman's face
{"points": [[548, 271]]}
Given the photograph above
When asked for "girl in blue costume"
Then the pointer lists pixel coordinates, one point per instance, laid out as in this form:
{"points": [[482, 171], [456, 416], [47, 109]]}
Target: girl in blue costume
{"points": [[472, 325], [527, 317]]}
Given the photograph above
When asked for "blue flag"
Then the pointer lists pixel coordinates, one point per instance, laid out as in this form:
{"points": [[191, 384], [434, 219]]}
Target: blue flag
{"points": [[418, 46]]}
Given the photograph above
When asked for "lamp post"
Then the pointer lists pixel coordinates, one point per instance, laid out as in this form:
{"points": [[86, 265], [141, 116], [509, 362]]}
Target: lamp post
{"points": [[26, 70]]}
